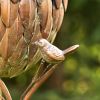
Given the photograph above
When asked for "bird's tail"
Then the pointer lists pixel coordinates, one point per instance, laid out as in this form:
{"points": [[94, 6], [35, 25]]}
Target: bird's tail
{"points": [[70, 49]]}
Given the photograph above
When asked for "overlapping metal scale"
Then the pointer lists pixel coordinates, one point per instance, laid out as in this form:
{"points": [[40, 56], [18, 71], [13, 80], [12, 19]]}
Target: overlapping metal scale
{"points": [[21, 23]]}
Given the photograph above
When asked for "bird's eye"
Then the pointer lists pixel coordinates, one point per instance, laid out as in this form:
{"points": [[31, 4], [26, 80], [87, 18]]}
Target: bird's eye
{"points": [[41, 43]]}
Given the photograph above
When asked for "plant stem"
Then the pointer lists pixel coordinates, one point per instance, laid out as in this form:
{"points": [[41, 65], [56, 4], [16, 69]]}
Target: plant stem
{"points": [[40, 82], [5, 91]]}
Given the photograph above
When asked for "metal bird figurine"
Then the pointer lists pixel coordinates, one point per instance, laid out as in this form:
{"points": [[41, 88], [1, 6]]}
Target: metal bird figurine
{"points": [[51, 53]]}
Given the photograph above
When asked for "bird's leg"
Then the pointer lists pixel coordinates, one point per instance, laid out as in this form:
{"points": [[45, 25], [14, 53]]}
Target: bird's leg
{"points": [[5, 91], [42, 69], [45, 70]]}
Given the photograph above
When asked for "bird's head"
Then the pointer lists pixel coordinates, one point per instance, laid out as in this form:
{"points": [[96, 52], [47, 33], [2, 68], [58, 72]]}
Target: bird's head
{"points": [[41, 42]]}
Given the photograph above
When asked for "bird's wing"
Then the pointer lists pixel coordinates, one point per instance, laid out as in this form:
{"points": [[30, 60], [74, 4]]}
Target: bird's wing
{"points": [[55, 54]]}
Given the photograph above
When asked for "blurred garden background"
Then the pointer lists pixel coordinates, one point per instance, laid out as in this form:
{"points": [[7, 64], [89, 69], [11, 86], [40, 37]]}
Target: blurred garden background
{"points": [[78, 77]]}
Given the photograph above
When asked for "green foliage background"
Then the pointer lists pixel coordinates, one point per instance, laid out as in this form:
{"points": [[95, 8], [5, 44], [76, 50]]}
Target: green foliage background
{"points": [[78, 78]]}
